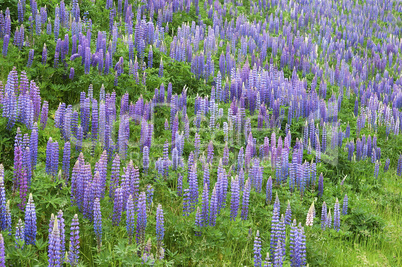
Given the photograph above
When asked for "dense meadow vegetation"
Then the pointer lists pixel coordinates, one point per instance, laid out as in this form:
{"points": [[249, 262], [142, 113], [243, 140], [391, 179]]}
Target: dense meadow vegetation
{"points": [[200, 133]]}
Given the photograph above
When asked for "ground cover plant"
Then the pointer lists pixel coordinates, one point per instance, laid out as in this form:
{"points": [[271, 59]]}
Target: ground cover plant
{"points": [[200, 133]]}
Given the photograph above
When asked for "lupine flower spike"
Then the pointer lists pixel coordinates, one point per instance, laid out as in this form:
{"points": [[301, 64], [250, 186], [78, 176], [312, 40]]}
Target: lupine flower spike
{"points": [[160, 231], [257, 250], [310, 215], [2, 252], [73, 254], [54, 251]]}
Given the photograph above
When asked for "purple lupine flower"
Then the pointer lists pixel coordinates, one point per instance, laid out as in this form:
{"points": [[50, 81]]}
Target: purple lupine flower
{"points": [[210, 155], [115, 176], [282, 234], [44, 114], [23, 187], [60, 221], [160, 66], [150, 57], [166, 159], [55, 256], [73, 254], [288, 214], [80, 136], [294, 245], [118, 206], [399, 167], [8, 218], [257, 250], [241, 179], [98, 223], [141, 220], [376, 169], [19, 235], [179, 185], [6, 40], [130, 221], [3, 201], [324, 216], [54, 159], [2, 252], [302, 238], [30, 222], [234, 207], [245, 202], [278, 254], [321, 185], [33, 145], [386, 165], [20, 14], [193, 186], [145, 159], [18, 171], [149, 195], [160, 231], [197, 144], [205, 206], [223, 189], [337, 216], [213, 208], [274, 230], [198, 222], [95, 124], [175, 158], [345, 205], [356, 108], [267, 262], [30, 58], [72, 72]]}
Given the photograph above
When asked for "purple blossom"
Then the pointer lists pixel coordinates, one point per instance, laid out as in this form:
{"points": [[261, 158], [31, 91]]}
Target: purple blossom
{"points": [[345, 205], [245, 202], [324, 216], [179, 185], [235, 199], [118, 206], [30, 222], [288, 214], [160, 230], [257, 250], [73, 254], [321, 185], [55, 256], [60, 221], [205, 206], [337, 216], [213, 208], [97, 222], [2, 252], [115, 176]]}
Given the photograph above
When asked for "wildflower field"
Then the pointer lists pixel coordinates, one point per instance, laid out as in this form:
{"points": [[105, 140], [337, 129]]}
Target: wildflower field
{"points": [[200, 133]]}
